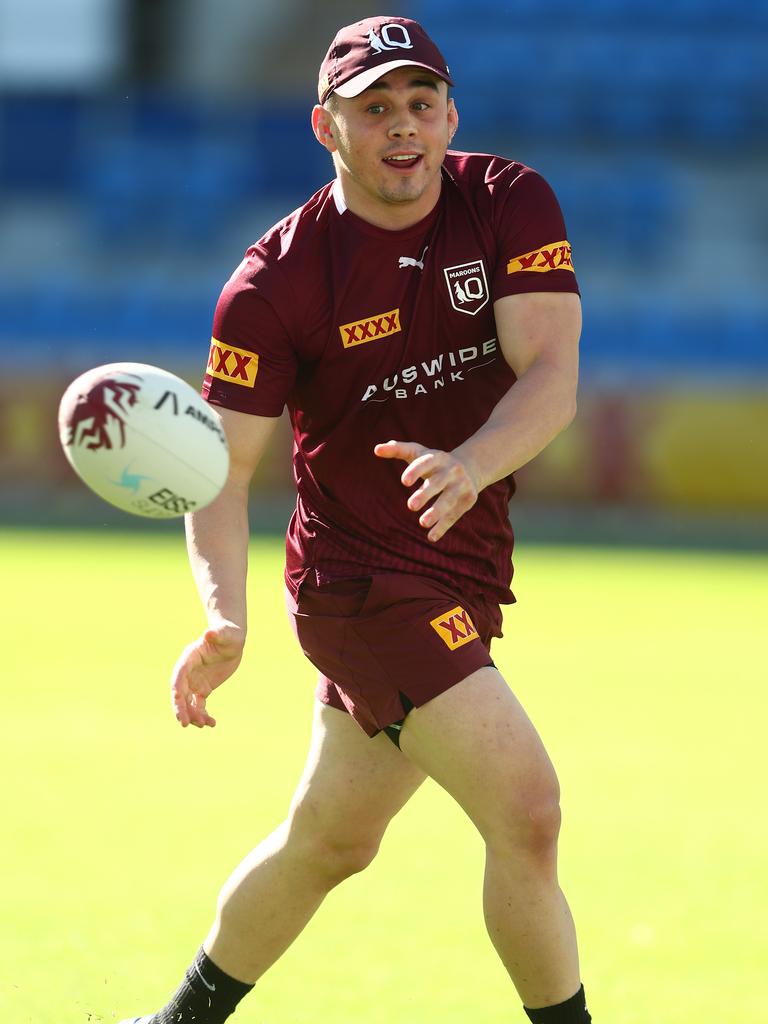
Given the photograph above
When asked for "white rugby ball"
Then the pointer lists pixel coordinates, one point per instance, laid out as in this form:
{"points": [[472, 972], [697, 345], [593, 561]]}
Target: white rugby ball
{"points": [[143, 440]]}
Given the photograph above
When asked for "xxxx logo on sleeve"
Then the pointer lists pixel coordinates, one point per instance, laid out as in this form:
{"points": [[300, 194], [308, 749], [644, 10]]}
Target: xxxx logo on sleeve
{"points": [[455, 628], [233, 364], [556, 256], [370, 329]]}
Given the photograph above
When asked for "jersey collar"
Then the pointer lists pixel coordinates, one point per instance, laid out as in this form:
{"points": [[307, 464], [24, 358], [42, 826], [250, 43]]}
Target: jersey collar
{"points": [[384, 233]]}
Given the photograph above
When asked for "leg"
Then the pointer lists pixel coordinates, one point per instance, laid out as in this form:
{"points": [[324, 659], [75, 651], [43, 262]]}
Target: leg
{"points": [[351, 788], [476, 741]]}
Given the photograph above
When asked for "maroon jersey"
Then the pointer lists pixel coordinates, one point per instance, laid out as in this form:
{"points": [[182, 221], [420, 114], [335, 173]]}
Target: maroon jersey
{"points": [[367, 335]]}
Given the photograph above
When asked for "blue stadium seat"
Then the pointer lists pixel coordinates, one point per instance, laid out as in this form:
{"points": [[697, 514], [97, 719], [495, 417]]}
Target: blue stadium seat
{"points": [[626, 216], [721, 118], [695, 14], [38, 141], [659, 340], [632, 77], [179, 194], [298, 165]]}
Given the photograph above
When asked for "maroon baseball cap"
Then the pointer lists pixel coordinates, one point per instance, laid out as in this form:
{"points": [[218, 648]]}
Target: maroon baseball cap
{"points": [[361, 53]]}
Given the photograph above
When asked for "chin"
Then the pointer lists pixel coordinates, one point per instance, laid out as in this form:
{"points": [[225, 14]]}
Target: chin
{"points": [[408, 192]]}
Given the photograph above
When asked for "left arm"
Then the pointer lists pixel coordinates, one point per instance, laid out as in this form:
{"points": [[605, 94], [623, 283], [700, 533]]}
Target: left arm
{"points": [[538, 335]]}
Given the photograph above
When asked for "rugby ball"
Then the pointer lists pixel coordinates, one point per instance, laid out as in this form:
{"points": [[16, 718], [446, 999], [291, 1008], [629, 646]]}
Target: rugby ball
{"points": [[143, 440]]}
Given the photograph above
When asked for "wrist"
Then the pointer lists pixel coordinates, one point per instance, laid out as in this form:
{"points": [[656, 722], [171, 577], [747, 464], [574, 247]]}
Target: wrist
{"points": [[237, 629], [472, 467]]}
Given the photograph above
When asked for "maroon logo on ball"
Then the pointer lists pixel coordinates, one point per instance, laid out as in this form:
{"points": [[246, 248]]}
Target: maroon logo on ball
{"points": [[100, 408]]}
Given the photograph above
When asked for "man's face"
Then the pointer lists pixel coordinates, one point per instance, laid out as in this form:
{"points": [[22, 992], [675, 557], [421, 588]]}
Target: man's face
{"points": [[388, 144]]}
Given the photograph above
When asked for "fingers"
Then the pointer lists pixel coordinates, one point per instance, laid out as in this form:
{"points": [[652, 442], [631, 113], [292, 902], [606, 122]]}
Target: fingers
{"points": [[419, 458], [189, 707], [198, 713], [180, 693], [189, 688], [424, 466], [437, 470], [405, 450], [447, 510], [446, 483]]}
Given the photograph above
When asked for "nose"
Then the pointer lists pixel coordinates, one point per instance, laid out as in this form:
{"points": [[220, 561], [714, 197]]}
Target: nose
{"points": [[403, 126]]}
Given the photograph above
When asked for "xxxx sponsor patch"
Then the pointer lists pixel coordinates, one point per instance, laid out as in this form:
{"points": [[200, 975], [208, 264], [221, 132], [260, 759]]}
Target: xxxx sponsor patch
{"points": [[556, 256], [370, 329], [233, 364], [455, 628]]}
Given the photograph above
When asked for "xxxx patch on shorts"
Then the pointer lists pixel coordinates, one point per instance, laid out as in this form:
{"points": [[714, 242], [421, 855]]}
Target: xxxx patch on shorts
{"points": [[377, 638]]}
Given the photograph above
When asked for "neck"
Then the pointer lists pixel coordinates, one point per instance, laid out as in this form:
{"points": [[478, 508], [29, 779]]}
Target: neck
{"points": [[391, 216]]}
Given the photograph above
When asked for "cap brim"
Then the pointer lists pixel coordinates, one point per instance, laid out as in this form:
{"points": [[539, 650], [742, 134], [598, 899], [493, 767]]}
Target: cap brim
{"points": [[365, 79]]}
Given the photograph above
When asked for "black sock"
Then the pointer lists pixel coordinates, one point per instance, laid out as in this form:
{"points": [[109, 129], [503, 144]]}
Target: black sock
{"points": [[572, 1011], [207, 995]]}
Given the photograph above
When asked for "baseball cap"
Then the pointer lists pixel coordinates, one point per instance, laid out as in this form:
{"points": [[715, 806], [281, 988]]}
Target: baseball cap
{"points": [[361, 53]]}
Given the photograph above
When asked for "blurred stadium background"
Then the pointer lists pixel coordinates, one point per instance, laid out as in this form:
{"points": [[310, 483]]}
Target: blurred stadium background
{"points": [[145, 143]]}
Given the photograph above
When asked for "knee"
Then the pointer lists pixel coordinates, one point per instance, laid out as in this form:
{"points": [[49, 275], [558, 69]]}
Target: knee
{"points": [[541, 826], [339, 857], [333, 854], [528, 823]]}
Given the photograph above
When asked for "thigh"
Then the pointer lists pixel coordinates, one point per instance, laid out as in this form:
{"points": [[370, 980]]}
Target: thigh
{"points": [[352, 784], [390, 642], [478, 743]]}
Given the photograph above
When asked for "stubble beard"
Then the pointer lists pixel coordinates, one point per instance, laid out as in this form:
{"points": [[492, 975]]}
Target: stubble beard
{"points": [[408, 192]]}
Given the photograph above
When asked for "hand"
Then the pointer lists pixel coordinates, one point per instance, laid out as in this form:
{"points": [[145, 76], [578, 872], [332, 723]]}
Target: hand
{"points": [[446, 478], [203, 665]]}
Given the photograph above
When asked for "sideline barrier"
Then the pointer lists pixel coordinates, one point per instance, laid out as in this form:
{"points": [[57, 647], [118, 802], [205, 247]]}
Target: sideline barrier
{"points": [[665, 449]]}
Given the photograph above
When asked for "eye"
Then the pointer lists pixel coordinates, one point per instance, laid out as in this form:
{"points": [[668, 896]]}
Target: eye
{"points": [[421, 105], [375, 108]]}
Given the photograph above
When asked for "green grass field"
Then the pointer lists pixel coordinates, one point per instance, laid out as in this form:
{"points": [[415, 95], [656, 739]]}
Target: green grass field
{"points": [[644, 671]]}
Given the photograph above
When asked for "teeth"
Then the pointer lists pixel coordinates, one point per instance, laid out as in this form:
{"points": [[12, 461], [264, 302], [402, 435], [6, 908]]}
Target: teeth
{"points": [[413, 156]]}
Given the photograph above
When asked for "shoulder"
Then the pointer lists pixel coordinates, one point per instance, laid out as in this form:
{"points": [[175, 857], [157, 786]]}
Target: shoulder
{"points": [[276, 266], [497, 177], [293, 236], [514, 200], [524, 220], [479, 168]]}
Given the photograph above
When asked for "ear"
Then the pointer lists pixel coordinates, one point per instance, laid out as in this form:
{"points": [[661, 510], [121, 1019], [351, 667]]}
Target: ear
{"points": [[453, 119], [323, 126]]}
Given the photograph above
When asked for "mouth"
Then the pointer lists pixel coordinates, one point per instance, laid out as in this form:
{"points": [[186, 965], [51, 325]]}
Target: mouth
{"points": [[403, 161]]}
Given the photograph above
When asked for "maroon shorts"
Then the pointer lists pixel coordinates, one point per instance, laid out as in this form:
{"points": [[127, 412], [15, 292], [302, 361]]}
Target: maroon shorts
{"points": [[389, 642]]}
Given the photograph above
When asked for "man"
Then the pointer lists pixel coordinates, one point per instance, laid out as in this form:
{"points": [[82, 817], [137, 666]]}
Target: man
{"points": [[428, 297]]}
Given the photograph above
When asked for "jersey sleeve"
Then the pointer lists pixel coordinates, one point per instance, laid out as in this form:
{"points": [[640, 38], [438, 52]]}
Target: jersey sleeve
{"points": [[252, 362], [534, 254]]}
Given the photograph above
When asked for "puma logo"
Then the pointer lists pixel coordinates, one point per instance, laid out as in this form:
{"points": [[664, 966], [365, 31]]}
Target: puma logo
{"points": [[407, 261]]}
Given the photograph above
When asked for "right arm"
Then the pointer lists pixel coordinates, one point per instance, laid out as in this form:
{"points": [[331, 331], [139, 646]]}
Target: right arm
{"points": [[217, 543]]}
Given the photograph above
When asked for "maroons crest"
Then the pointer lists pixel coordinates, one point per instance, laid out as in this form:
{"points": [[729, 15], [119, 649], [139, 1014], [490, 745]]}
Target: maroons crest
{"points": [[467, 287]]}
